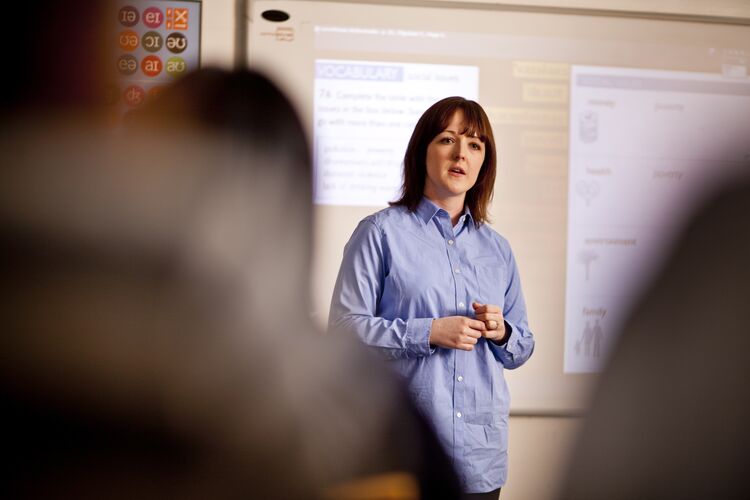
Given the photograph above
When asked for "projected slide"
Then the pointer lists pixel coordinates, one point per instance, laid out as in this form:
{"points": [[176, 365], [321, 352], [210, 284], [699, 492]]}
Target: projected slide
{"points": [[364, 113], [642, 144]]}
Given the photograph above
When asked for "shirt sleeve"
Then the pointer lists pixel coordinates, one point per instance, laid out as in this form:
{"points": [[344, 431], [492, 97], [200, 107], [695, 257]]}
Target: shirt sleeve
{"points": [[358, 291], [520, 344]]}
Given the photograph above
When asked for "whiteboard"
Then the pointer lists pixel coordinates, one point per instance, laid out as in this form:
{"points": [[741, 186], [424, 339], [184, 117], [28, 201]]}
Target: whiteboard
{"points": [[609, 130]]}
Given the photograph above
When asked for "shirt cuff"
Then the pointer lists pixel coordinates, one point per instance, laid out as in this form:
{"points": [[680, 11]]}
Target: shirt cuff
{"points": [[418, 337]]}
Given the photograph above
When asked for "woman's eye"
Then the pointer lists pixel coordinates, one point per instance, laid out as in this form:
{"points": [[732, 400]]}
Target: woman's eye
{"points": [[446, 140], [476, 146]]}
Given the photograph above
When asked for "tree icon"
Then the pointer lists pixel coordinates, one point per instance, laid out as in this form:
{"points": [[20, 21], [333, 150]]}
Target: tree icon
{"points": [[586, 257]]}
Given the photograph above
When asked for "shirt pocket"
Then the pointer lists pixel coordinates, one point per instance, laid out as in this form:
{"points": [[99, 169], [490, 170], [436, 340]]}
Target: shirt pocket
{"points": [[491, 284]]}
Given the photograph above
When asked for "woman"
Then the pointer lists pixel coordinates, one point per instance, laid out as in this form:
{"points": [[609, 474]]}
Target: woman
{"points": [[432, 287]]}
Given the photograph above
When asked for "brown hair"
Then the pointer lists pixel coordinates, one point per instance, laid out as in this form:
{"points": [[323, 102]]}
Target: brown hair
{"points": [[430, 124]]}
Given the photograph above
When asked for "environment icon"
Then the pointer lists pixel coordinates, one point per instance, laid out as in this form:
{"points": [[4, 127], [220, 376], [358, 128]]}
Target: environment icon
{"points": [[586, 257]]}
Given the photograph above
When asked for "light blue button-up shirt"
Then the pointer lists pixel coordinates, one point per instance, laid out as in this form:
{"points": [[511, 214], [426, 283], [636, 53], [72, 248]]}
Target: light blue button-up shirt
{"points": [[403, 269]]}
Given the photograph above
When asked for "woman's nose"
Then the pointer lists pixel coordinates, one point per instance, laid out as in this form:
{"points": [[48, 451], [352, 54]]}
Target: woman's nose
{"points": [[460, 151]]}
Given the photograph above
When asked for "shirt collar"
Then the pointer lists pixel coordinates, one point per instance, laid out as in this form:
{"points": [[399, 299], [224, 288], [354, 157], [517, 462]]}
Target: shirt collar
{"points": [[426, 210], [465, 219]]}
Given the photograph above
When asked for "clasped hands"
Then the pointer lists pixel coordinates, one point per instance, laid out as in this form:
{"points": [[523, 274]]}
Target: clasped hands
{"points": [[461, 332]]}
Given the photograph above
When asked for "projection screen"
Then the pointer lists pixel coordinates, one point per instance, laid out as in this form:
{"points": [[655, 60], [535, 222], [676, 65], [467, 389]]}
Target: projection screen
{"points": [[609, 130]]}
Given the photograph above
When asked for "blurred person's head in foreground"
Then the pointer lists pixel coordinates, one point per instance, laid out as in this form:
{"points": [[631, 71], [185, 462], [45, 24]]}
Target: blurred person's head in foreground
{"points": [[154, 290], [669, 419]]}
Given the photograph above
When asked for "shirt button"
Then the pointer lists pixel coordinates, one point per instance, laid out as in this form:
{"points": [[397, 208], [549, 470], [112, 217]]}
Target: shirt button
{"points": [[461, 304], [458, 414], [450, 242], [460, 378], [457, 271]]}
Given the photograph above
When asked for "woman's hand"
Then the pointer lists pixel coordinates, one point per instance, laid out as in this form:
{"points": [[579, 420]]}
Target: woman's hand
{"points": [[456, 332], [493, 320]]}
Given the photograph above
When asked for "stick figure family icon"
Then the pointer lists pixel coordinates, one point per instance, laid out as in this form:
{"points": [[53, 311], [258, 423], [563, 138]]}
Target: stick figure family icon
{"points": [[157, 42], [589, 344]]}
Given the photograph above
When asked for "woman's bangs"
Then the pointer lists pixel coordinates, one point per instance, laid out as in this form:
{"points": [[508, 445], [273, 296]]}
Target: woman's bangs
{"points": [[474, 122]]}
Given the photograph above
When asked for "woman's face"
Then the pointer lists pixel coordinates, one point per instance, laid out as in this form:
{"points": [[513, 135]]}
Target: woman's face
{"points": [[453, 162]]}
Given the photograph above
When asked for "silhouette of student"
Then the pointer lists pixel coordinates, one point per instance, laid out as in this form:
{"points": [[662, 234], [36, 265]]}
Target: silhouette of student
{"points": [[154, 291], [670, 416]]}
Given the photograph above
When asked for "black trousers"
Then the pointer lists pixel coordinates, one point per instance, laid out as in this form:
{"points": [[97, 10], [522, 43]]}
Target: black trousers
{"points": [[490, 495]]}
